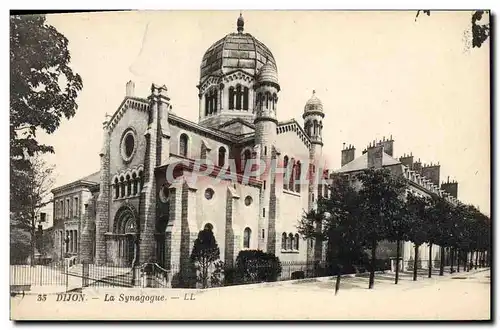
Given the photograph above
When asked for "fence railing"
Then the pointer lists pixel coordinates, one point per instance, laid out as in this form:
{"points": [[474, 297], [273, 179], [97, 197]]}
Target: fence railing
{"points": [[73, 275]]}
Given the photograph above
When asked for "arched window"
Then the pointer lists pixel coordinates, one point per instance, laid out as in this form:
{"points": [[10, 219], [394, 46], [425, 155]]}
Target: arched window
{"points": [[246, 238], [231, 98], [297, 176], [292, 174], [325, 186], [129, 185], [141, 181], [207, 109], [238, 97], [245, 98], [283, 241], [315, 124], [285, 177], [246, 156], [134, 184], [117, 188], [183, 145], [296, 247], [268, 99], [122, 187], [312, 197], [290, 241], [215, 92], [222, 156], [260, 99]]}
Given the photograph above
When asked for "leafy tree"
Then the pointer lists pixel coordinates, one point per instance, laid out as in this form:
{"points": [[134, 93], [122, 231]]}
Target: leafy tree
{"points": [[398, 230], [205, 253], [480, 32], [43, 87], [418, 211], [443, 217], [336, 221], [38, 181], [379, 204]]}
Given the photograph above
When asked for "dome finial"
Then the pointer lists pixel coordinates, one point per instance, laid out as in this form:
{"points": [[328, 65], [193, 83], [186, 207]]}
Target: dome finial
{"points": [[240, 23], [314, 92]]}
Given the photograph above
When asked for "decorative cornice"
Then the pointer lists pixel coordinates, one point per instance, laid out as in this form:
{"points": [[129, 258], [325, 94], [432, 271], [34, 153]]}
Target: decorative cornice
{"points": [[293, 125], [128, 102]]}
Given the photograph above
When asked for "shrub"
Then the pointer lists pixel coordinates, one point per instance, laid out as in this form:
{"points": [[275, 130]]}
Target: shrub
{"points": [[298, 275], [253, 266]]}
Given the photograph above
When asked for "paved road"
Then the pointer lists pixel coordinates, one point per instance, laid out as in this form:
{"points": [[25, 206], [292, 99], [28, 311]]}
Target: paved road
{"points": [[461, 296]]}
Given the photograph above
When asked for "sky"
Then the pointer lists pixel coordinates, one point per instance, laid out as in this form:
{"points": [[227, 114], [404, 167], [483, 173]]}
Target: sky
{"points": [[377, 74]]}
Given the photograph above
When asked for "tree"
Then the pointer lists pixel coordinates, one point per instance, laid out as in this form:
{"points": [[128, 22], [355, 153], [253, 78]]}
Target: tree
{"points": [[336, 221], [443, 213], [43, 87], [398, 229], [205, 253], [480, 32], [37, 181], [418, 211], [379, 204]]}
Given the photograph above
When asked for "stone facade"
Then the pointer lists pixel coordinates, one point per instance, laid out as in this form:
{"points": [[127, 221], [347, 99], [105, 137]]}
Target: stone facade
{"points": [[150, 197], [423, 180]]}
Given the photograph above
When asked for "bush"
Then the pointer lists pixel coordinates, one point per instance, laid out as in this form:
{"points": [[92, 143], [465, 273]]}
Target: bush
{"points": [[253, 266], [298, 275]]}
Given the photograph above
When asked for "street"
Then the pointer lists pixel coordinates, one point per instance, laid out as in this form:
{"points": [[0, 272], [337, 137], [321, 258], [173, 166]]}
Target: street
{"points": [[461, 296]]}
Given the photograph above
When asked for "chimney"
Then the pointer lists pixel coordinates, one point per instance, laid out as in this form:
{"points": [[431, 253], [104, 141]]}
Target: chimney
{"points": [[417, 166], [407, 160], [450, 187], [388, 145], [432, 173], [348, 154], [130, 89], [375, 153]]}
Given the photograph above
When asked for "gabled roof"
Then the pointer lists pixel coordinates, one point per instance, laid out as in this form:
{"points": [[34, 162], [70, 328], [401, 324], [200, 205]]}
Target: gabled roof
{"points": [[87, 181], [361, 163], [237, 120], [94, 177]]}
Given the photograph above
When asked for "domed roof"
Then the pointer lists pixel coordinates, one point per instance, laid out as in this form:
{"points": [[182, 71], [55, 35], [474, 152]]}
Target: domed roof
{"points": [[235, 51], [313, 104], [268, 73]]}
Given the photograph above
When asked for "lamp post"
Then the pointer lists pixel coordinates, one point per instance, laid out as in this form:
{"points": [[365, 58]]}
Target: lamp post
{"points": [[66, 240]]}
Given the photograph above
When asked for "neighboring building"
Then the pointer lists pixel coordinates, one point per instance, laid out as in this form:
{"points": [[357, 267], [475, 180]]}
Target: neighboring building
{"points": [[144, 140], [44, 217], [69, 209], [423, 180]]}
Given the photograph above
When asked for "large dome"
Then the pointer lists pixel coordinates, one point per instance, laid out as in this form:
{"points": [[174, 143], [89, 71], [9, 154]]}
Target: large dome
{"points": [[235, 51]]}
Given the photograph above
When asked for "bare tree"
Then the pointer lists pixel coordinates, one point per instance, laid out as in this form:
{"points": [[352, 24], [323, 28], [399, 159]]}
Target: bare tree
{"points": [[30, 192]]}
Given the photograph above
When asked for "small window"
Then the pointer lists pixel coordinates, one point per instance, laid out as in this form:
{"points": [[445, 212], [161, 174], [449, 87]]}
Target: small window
{"points": [[209, 193], [264, 184], [263, 233], [283, 241], [164, 195], [248, 200], [183, 145], [264, 212], [222, 156], [246, 238]]}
